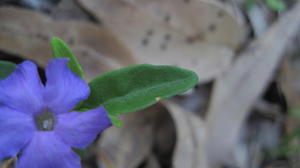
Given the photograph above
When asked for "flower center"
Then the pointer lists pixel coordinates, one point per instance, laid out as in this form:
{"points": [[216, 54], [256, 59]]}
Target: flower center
{"points": [[45, 121]]}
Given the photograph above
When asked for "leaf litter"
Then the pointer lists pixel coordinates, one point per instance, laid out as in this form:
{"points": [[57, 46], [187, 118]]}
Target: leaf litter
{"points": [[230, 119]]}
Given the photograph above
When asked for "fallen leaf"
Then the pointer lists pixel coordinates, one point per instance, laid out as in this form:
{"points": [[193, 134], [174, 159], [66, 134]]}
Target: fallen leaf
{"points": [[237, 90], [190, 129], [195, 34], [69, 10], [7, 163], [27, 33], [131, 144], [152, 162], [289, 79]]}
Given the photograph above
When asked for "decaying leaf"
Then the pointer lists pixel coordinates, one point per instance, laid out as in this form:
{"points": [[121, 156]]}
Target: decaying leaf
{"points": [[290, 81], [237, 90], [152, 162], [27, 33], [290, 84], [7, 163], [131, 144], [191, 34], [190, 131], [69, 10]]}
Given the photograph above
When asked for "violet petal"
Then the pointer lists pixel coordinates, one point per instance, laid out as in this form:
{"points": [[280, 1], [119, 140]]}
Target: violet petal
{"points": [[22, 90], [16, 130], [47, 150], [64, 89], [79, 129]]}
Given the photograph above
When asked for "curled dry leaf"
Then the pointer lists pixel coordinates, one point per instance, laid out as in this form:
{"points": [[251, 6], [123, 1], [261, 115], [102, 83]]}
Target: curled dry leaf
{"points": [[68, 10], [7, 163], [152, 162], [290, 84], [237, 90], [289, 79], [189, 150], [191, 34], [27, 33], [131, 144]]}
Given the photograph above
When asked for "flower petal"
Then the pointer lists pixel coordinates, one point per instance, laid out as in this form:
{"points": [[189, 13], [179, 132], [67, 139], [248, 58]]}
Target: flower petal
{"points": [[16, 129], [23, 90], [64, 89], [47, 150], [80, 129]]}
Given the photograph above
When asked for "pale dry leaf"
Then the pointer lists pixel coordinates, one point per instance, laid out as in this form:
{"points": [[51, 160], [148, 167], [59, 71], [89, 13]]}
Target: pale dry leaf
{"points": [[152, 162], [196, 35], [289, 80], [190, 129], [69, 10], [238, 89], [129, 145], [7, 163], [290, 84], [27, 33]]}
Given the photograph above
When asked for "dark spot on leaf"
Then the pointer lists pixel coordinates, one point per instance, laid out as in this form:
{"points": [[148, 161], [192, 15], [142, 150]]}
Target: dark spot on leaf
{"points": [[167, 18], [168, 37], [84, 53], [42, 37], [212, 27], [71, 41], [192, 39], [221, 14], [145, 42], [150, 32]]}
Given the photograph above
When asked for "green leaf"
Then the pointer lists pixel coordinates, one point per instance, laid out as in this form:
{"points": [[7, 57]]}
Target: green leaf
{"points": [[61, 50], [250, 4], [277, 5], [116, 122], [81, 152], [137, 87], [281, 151], [6, 68], [295, 113]]}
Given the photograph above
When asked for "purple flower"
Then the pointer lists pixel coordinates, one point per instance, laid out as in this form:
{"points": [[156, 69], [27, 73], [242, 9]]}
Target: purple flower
{"points": [[38, 120]]}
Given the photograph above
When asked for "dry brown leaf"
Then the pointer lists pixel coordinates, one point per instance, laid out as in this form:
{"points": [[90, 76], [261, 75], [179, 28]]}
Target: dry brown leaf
{"points": [[7, 163], [196, 34], [237, 90], [290, 84], [27, 33], [152, 162], [190, 138], [290, 81], [68, 10], [131, 144]]}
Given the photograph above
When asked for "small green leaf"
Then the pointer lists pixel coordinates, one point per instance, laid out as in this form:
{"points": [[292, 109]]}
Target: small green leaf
{"points": [[250, 4], [281, 151], [6, 68], [295, 113], [61, 50], [277, 5], [116, 122], [137, 87], [81, 152]]}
